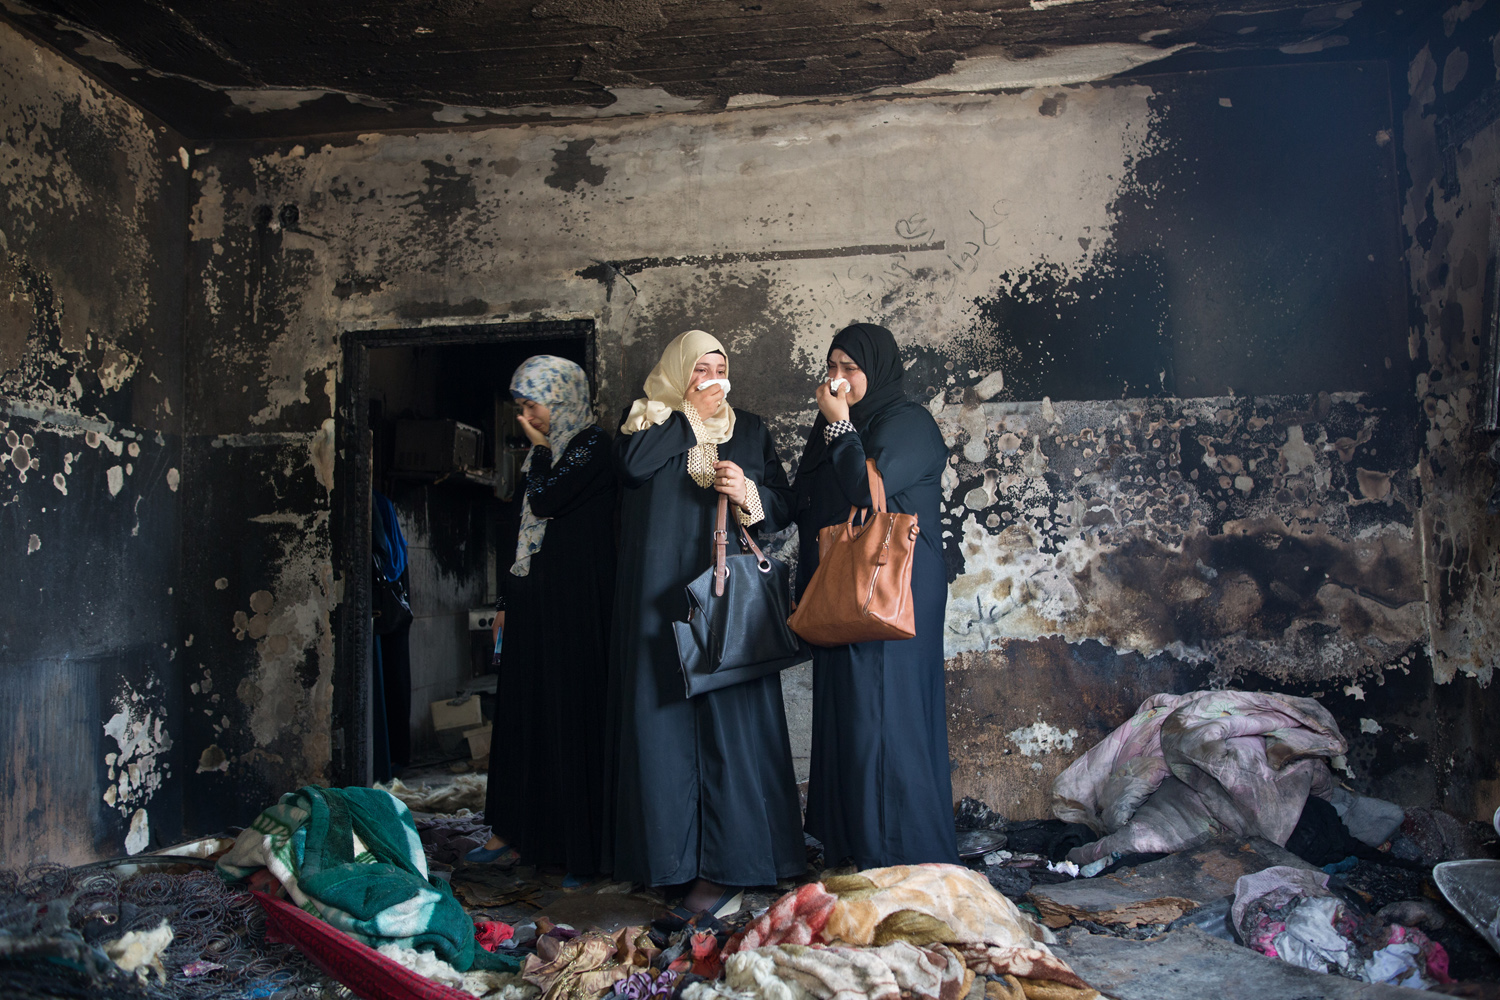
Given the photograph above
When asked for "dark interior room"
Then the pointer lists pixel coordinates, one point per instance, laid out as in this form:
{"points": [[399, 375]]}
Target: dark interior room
{"points": [[1199, 297]]}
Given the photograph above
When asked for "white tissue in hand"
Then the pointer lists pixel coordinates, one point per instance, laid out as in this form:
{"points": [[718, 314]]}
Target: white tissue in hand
{"points": [[715, 381], [833, 386]]}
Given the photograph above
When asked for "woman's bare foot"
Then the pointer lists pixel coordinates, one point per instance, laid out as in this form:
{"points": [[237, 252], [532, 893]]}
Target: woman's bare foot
{"points": [[494, 844]]}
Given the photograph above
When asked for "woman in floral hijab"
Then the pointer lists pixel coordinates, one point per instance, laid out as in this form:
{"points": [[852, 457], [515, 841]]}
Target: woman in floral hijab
{"points": [[546, 790]]}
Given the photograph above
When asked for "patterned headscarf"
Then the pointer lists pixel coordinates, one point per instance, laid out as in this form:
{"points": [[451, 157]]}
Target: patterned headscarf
{"points": [[666, 387], [563, 388]]}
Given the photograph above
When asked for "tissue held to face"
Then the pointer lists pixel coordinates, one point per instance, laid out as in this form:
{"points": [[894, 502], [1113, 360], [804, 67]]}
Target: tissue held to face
{"points": [[711, 370], [841, 368], [709, 383]]}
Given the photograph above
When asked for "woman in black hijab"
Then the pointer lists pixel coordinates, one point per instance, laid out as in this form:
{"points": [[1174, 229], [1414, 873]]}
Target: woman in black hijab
{"points": [[879, 793]]}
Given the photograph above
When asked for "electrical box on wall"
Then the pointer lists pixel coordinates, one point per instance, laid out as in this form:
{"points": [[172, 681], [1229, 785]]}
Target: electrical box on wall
{"points": [[436, 447]]}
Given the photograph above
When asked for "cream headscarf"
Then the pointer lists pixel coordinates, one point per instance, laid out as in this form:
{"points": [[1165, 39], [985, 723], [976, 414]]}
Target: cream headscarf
{"points": [[665, 388]]}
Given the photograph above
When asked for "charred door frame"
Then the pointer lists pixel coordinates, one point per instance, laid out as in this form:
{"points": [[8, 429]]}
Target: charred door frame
{"points": [[350, 527]]}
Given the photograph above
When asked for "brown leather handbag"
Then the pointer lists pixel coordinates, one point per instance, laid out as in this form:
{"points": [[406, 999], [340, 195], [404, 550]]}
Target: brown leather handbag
{"points": [[861, 591]]}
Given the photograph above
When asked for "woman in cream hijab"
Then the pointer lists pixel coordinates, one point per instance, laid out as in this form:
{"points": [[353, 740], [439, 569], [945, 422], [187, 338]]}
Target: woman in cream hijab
{"points": [[705, 793]]}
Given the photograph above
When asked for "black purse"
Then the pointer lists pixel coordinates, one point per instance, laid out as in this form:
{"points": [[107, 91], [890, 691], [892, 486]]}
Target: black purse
{"points": [[388, 604], [736, 627]]}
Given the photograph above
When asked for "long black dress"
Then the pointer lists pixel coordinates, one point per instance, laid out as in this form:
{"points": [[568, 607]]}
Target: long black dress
{"points": [[879, 789], [705, 787], [547, 765]]}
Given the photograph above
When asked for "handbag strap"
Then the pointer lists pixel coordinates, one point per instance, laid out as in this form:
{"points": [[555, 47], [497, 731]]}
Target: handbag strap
{"points": [[877, 493], [877, 486], [721, 547]]}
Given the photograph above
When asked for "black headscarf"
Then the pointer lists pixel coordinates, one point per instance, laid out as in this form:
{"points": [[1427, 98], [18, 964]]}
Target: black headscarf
{"points": [[874, 349]]}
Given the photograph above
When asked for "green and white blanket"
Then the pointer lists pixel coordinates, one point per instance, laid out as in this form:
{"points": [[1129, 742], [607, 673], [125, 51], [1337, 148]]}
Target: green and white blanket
{"points": [[351, 857]]}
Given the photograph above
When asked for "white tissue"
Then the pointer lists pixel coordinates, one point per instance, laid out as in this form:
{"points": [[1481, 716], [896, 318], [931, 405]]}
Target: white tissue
{"points": [[715, 381], [833, 386]]}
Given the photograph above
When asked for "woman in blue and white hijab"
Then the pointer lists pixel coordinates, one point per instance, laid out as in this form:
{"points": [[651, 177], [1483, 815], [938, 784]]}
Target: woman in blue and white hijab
{"points": [[546, 790]]}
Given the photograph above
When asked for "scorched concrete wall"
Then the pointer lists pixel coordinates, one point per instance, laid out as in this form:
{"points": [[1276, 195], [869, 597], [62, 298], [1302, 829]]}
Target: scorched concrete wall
{"points": [[1162, 324], [92, 210]]}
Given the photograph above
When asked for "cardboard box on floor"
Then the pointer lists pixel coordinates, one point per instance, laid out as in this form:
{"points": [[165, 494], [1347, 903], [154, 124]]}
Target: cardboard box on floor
{"points": [[479, 740], [465, 715]]}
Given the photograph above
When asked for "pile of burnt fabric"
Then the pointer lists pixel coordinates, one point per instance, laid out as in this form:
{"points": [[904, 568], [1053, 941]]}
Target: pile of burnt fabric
{"points": [[571, 965], [89, 932], [1187, 768], [1290, 914], [458, 795], [919, 931], [446, 839], [352, 857], [922, 932]]}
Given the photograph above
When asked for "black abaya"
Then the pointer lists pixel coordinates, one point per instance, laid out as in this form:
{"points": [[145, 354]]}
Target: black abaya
{"points": [[705, 787], [879, 791], [547, 765]]}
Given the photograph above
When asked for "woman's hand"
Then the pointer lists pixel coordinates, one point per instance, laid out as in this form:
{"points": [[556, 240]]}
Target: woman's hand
{"points": [[705, 402], [729, 479], [833, 404], [495, 627], [533, 435]]}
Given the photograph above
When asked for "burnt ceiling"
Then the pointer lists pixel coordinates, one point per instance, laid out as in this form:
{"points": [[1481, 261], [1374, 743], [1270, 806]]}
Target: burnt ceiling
{"points": [[284, 68]]}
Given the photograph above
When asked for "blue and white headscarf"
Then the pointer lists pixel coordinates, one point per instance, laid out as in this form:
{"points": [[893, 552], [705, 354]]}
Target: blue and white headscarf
{"points": [[563, 388]]}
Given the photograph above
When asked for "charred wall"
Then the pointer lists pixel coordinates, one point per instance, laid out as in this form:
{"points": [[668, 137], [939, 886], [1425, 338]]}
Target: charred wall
{"points": [[1162, 324], [1449, 100], [92, 248]]}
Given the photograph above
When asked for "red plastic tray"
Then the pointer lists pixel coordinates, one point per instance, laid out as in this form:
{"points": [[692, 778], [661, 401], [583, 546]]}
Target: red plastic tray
{"points": [[358, 966]]}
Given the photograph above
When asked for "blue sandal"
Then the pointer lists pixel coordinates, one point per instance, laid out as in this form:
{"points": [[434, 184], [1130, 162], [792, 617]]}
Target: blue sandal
{"points": [[505, 856]]}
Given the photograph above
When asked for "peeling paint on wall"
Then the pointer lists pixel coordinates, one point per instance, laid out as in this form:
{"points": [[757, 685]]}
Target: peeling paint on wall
{"points": [[293, 647], [1041, 738], [1070, 64], [1211, 529], [138, 766]]}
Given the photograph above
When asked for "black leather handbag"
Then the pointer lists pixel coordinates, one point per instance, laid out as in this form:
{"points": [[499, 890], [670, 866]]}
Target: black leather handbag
{"points": [[736, 627], [388, 604]]}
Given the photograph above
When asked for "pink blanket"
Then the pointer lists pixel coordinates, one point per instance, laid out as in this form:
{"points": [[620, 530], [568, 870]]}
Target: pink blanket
{"points": [[1188, 767]]}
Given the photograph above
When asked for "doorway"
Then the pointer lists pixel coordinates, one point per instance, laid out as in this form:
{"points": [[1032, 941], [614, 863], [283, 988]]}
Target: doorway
{"points": [[426, 420]]}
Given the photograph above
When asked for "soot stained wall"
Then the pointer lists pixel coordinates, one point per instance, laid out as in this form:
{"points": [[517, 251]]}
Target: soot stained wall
{"points": [[91, 254], [1160, 324], [1450, 101]]}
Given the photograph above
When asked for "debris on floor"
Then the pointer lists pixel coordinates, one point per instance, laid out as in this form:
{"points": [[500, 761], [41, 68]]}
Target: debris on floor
{"points": [[1290, 914], [62, 930], [448, 796], [1191, 965], [1159, 892], [1473, 889], [352, 857], [139, 952], [448, 838], [1209, 830], [1186, 768], [1229, 915]]}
